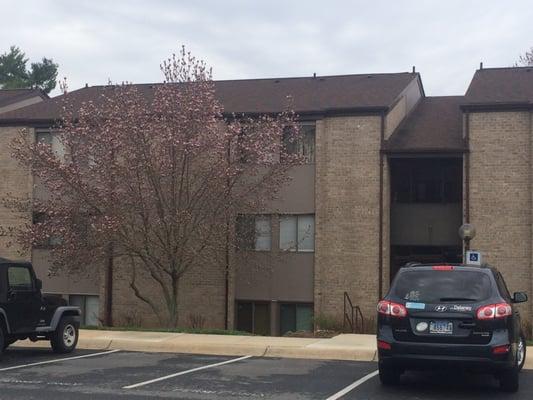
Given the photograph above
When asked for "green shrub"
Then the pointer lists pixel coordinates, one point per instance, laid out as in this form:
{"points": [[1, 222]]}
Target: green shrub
{"points": [[328, 322]]}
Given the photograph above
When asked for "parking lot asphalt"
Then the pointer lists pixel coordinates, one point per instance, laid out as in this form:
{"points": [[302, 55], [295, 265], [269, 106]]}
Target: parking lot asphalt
{"points": [[37, 373]]}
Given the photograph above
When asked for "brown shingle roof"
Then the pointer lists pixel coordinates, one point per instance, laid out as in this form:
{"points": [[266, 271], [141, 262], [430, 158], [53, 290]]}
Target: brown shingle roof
{"points": [[500, 86], [309, 95], [435, 125], [10, 96]]}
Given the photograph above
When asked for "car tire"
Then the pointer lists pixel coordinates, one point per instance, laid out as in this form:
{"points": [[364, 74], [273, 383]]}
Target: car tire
{"points": [[2, 340], [65, 337], [521, 352], [7, 343], [509, 380], [389, 376]]}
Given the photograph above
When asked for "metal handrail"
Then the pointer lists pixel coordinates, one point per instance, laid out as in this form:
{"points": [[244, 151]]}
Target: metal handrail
{"points": [[352, 316]]}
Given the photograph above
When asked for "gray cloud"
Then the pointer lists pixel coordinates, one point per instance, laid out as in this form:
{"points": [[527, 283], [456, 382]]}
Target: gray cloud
{"points": [[126, 40]]}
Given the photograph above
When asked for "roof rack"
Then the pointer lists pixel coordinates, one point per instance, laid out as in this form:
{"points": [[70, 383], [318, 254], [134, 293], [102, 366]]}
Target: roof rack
{"points": [[419, 264], [412, 264]]}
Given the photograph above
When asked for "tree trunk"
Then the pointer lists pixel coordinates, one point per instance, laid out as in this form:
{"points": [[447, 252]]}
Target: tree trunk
{"points": [[173, 315], [108, 320]]}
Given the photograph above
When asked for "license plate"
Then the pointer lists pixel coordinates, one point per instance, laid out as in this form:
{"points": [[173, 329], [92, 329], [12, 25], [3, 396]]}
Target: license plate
{"points": [[441, 327]]}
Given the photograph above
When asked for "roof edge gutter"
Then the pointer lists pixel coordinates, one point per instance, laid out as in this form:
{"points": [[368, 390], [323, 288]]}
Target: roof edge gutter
{"points": [[425, 151], [494, 107], [28, 122], [327, 112]]}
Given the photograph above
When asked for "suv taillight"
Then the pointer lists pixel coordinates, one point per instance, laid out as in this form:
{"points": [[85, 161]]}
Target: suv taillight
{"points": [[493, 311], [393, 309]]}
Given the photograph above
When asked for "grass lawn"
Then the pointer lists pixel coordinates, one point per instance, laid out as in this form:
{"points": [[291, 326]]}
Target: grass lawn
{"points": [[175, 330], [530, 342]]}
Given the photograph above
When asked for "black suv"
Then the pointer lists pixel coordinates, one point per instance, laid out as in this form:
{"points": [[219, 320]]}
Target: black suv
{"points": [[26, 314], [450, 316]]}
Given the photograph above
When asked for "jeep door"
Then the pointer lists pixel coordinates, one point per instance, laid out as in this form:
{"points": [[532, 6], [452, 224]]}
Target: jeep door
{"points": [[23, 304]]}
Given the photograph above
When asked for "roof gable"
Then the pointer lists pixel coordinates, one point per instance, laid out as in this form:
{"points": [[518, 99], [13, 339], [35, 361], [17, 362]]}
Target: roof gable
{"points": [[9, 96], [501, 86], [434, 125]]}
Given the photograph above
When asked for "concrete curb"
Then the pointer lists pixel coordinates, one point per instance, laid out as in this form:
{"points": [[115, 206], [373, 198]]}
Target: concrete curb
{"points": [[242, 349], [346, 347], [337, 348]]}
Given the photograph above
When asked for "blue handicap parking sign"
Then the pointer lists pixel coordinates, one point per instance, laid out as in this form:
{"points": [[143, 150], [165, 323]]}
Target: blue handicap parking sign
{"points": [[473, 257]]}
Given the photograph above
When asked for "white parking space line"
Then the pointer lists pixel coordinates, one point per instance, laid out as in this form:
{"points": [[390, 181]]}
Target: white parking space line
{"points": [[58, 360], [185, 372], [351, 387]]}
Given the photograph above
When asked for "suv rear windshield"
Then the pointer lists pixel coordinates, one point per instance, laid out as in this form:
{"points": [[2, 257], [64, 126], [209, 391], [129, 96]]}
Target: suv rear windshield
{"points": [[442, 286]]}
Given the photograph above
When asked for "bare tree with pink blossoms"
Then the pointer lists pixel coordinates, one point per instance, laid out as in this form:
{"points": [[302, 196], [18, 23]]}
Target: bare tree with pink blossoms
{"points": [[526, 59], [155, 180]]}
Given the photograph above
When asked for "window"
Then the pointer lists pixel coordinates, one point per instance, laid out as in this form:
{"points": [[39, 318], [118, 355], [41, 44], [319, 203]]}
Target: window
{"points": [[19, 278], [426, 181], [305, 144], [296, 318], [47, 137], [44, 137], [254, 232], [297, 232], [502, 287], [89, 306], [40, 218], [436, 286], [253, 317]]}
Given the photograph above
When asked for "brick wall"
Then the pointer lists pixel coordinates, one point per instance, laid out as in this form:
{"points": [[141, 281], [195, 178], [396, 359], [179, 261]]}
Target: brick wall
{"points": [[347, 213], [500, 194], [17, 181], [201, 293]]}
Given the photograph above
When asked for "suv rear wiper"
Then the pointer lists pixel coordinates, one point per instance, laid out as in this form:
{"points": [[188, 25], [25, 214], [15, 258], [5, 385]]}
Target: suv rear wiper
{"points": [[456, 299]]}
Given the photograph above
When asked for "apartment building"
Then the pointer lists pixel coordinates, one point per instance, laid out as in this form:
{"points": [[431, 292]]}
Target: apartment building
{"points": [[390, 176]]}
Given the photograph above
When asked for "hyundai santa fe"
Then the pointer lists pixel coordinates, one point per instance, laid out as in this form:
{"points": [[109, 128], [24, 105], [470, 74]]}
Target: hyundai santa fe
{"points": [[442, 316]]}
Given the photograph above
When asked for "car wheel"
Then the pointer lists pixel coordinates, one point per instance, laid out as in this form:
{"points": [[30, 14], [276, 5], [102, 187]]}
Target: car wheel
{"points": [[509, 380], [7, 343], [389, 376], [2, 340], [65, 337], [521, 352]]}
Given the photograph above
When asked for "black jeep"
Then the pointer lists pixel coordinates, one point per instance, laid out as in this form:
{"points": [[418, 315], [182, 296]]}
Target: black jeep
{"points": [[451, 316], [26, 314]]}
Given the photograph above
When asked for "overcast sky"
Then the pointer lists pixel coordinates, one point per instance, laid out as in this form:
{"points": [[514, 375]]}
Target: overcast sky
{"points": [[95, 40]]}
